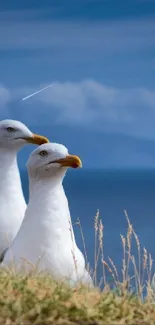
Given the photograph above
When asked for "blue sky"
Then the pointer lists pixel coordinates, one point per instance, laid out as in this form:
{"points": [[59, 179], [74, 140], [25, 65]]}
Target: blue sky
{"points": [[101, 54]]}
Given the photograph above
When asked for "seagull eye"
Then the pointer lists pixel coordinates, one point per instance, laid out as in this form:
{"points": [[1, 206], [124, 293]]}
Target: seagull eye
{"points": [[10, 129], [43, 153]]}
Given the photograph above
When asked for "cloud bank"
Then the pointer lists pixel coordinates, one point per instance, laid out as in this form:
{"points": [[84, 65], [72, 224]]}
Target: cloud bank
{"points": [[87, 104]]}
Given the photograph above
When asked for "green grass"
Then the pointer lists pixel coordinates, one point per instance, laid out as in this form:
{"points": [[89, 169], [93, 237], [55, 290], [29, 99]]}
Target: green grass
{"points": [[38, 299]]}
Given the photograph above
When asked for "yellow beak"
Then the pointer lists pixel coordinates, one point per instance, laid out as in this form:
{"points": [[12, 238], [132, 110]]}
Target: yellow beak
{"points": [[70, 161], [37, 139]]}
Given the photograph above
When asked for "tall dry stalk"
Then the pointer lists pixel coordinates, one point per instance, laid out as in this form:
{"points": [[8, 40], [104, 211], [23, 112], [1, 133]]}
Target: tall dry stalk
{"points": [[83, 240], [141, 267], [123, 239], [128, 240], [73, 249], [96, 250], [102, 252]]}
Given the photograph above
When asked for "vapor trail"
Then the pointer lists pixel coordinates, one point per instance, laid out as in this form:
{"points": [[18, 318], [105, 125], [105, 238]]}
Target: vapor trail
{"points": [[36, 92]]}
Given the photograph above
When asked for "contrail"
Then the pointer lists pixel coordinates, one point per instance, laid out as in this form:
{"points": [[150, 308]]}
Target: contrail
{"points": [[36, 92]]}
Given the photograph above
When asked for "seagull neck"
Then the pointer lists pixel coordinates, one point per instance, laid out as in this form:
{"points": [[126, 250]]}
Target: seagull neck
{"points": [[44, 188], [48, 200], [8, 159], [9, 172]]}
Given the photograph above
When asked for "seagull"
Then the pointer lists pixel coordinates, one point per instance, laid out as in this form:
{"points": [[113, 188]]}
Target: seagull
{"points": [[46, 238], [13, 136]]}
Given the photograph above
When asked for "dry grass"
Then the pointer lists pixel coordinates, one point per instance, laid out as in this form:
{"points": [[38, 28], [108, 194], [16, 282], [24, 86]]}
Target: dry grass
{"points": [[129, 299]]}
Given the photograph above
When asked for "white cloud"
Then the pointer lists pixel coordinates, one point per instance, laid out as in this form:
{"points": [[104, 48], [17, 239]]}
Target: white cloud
{"points": [[4, 96], [88, 103]]}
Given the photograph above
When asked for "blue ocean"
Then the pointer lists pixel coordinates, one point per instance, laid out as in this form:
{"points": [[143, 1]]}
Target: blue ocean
{"points": [[111, 192]]}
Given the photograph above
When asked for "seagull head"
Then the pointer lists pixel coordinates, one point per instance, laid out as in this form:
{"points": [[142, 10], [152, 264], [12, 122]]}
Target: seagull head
{"points": [[50, 159], [14, 134]]}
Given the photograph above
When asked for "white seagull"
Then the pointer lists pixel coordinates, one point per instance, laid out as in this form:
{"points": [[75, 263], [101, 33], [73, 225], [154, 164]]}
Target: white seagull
{"points": [[46, 238], [13, 136]]}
